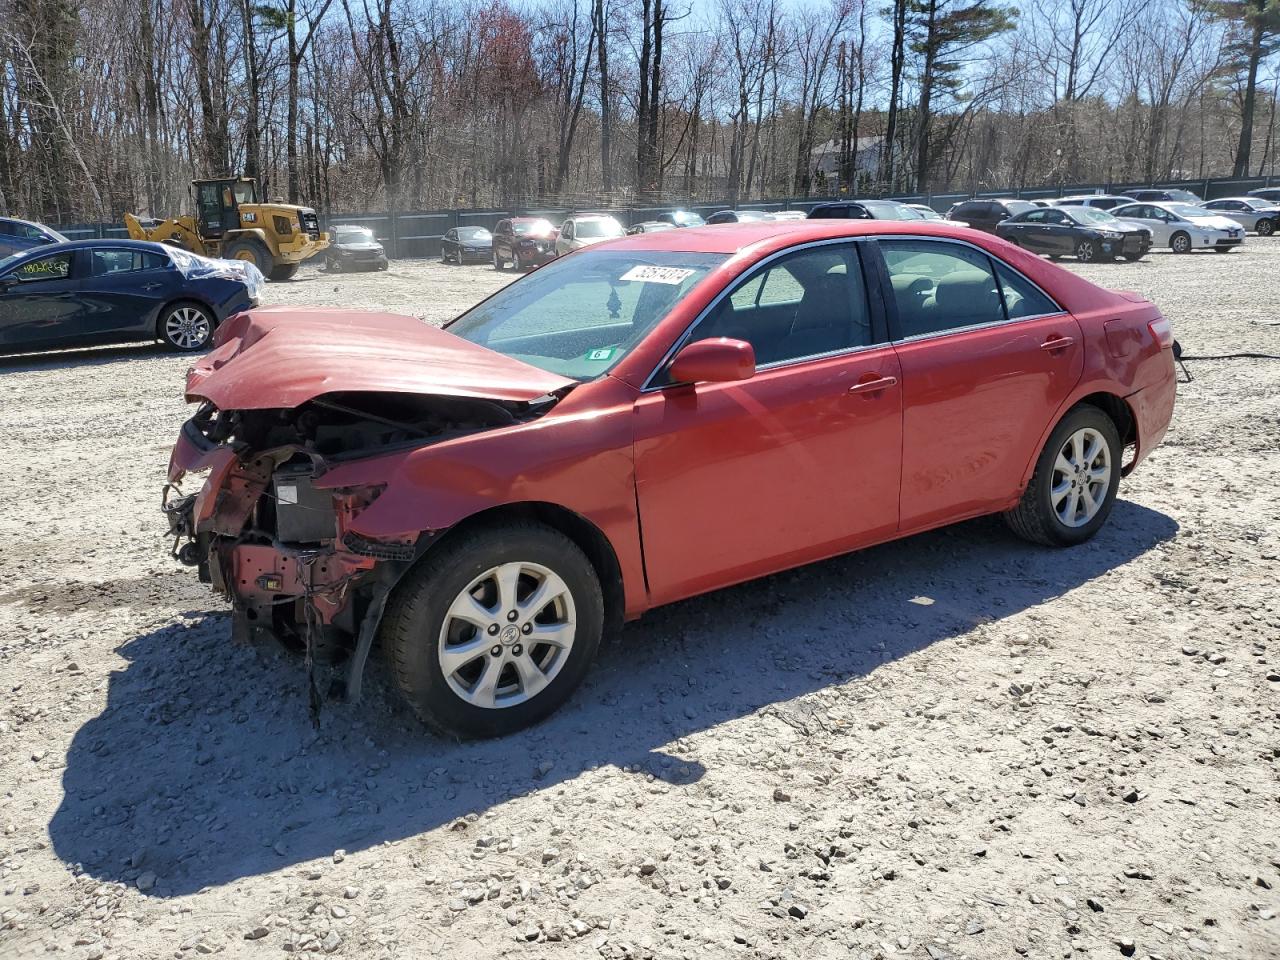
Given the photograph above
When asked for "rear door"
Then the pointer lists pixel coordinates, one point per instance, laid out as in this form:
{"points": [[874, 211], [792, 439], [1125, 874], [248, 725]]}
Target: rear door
{"points": [[123, 289], [987, 358], [40, 302]]}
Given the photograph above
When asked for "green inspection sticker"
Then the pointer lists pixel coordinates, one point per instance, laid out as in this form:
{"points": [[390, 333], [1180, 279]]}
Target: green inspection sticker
{"points": [[604, 353]]}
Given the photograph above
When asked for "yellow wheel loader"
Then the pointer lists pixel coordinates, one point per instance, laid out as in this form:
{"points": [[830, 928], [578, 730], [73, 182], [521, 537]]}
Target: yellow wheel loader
{"points": [[231, 223]]}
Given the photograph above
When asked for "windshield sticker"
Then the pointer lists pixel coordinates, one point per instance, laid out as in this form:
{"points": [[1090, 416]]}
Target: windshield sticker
{"points": [[649, 274], [603, 353]]}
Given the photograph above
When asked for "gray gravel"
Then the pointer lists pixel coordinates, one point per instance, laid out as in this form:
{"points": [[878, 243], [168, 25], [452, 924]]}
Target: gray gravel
{"points": [[953, 746]]}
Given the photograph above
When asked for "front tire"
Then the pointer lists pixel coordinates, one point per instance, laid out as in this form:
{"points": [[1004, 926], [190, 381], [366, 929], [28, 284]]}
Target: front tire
{"points": [[495, 629], [1180, 242], [1087, 251], [1074, 485], [251, 251], [285, 271], [1266, 228], [185, 327], [498, 262]]}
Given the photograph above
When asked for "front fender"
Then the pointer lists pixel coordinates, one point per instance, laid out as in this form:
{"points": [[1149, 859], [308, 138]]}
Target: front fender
{"points": [[582, 462]]}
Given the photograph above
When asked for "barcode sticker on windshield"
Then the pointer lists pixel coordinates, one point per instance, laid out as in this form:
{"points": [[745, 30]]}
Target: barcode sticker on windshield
{"points": [[648, 274]]}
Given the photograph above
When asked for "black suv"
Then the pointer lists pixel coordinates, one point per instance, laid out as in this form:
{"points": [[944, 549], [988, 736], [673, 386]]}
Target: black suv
{"points": [[1267, 193], [985, 214], [863, 210]]}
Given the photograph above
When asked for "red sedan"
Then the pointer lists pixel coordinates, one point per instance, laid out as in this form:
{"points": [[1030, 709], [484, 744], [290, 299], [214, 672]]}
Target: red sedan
{"points": [[639, 422]]}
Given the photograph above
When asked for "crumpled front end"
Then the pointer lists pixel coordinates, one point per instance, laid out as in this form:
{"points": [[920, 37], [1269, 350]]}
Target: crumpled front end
{"points": [[272, 529], [267, 537]]}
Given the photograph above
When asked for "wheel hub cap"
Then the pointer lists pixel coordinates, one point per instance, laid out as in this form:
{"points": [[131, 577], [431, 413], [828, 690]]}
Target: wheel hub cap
{"points": [[529, 611], [1081, 477]]}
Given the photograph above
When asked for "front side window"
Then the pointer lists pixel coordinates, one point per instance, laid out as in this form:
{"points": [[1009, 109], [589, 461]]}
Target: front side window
{"points": [[56, 267], [580, 315], [803, 304]]}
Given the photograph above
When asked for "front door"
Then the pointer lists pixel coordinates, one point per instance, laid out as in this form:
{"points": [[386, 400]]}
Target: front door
{"points": [[801, 461], [216, 209], [987, 359], [123, 289], [40, 302]]}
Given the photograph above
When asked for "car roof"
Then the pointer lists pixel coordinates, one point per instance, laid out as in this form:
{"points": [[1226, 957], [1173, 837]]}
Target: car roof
{"points": [[97, 244], [528, 219], [778, 234], [26, 223], [1241, 199], [591, 216]]}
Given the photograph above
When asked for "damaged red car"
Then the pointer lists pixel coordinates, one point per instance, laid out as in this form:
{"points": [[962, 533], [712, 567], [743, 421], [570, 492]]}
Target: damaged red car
{"points": [[639, 422]]}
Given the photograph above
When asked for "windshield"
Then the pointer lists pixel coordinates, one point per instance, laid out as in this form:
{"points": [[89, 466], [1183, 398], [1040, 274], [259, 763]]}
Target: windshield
{"points": [[591, 229], [580, 315], [1184, 196], [927, 213], [353, 234], [745, 215], [474, 233], [888, 210], [1090, 215], [532, 228], [1189, 210]]}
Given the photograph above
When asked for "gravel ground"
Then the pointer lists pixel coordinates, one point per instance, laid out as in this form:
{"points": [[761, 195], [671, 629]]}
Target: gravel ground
{"points": [[957, 745]]}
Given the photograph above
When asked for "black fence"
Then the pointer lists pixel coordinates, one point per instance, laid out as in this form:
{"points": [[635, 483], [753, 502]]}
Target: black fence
{"points": [[417, 234]]}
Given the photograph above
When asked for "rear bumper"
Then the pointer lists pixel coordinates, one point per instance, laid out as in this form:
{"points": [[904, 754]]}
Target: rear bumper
{"points": [[1152, 408]]}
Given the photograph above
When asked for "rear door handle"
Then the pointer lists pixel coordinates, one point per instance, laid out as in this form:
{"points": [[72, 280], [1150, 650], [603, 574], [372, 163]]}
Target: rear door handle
{"points": [[1057, 343], [873, 386]]}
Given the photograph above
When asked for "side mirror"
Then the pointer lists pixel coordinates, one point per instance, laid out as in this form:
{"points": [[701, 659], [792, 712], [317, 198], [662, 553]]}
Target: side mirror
{"points": [[721, 360]]}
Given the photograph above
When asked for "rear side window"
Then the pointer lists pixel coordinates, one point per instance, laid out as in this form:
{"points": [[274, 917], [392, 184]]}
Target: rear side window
{"points": [[940, 286], [979, 208], [104, 262], [1022, 298]]}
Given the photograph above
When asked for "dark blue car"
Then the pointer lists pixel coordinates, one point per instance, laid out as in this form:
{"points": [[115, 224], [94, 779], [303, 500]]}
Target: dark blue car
{"points": [[19, 235], [108, 291]]}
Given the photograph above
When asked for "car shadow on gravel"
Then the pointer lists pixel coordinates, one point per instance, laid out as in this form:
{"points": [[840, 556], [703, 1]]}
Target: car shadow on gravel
{"points": [[204, 769], [80, 357]]}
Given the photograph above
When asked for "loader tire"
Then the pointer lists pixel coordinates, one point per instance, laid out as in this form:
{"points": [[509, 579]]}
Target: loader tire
{"points": [[251, 251], [284, 271]]}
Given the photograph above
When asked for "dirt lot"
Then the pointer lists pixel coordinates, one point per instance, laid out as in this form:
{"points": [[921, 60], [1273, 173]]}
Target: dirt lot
{"points": [[953, 746]]}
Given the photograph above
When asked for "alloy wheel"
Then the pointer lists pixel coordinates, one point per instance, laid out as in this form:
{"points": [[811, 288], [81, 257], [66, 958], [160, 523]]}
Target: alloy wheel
{"points": [[187, 328], [507, 635], [1085, 251], [1081, 477], [1266, 228], [1181, 243]]}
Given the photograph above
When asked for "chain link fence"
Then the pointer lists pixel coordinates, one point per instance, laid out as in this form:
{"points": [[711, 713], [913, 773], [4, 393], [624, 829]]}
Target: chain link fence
{"points": [[417, 234]]}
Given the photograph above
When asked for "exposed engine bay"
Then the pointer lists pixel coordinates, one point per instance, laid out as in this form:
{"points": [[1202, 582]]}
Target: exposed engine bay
{"points": [[269, 534]]}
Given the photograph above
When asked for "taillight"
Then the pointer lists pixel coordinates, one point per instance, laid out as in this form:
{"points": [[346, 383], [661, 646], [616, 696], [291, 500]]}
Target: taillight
{"points": [[1162, 330]]}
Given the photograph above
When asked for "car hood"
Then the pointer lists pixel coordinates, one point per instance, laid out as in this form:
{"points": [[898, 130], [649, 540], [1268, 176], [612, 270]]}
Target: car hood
{"points": [[281, 357]]}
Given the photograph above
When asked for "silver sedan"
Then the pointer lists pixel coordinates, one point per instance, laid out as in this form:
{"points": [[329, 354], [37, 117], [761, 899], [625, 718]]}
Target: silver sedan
{"points": [[1183, 227], [1252, 213]]}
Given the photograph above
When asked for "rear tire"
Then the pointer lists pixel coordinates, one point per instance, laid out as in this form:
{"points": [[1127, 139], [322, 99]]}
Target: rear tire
{"points": [[449, 615], [1180, 242], [1074, 485], [185, 327], [283, 272], [251, 251]]}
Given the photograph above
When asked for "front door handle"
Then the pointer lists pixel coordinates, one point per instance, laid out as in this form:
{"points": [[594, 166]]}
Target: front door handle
{"points": [[152, 286], [873, 386], [1057, 343]]}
